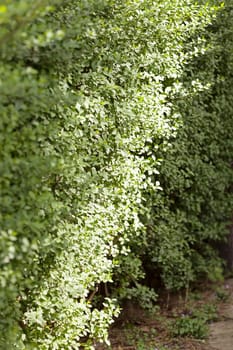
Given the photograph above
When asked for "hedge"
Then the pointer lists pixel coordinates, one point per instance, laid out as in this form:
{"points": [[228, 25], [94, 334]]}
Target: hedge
{"points": [[116, 150]]}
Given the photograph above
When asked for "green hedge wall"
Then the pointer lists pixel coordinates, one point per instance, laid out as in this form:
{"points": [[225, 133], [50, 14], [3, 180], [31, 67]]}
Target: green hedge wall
{"points": [[116, 145]]}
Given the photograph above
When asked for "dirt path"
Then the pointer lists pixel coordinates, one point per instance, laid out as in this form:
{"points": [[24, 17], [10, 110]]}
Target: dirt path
{"points": [[136, 331], [221, 332]]}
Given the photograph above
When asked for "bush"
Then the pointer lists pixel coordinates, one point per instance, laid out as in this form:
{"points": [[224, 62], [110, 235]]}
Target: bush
{"points": [[195, 205], [116, 143], [194, 324]]}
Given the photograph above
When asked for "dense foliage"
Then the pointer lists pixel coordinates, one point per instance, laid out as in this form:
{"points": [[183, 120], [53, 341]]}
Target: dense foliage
{"points": [[116, 149]]}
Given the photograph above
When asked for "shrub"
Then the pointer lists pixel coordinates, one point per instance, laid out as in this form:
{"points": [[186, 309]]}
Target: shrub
{"points": [[115, 153], [195, 324]]}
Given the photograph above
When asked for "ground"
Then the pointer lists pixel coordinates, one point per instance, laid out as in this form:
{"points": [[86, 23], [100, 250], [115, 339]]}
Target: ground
{"points": [[208, 314], [221, 332]]}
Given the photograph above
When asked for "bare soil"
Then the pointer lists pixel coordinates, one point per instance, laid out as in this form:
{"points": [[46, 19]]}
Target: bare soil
{"points": [[136, 330], [221, 332]]}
